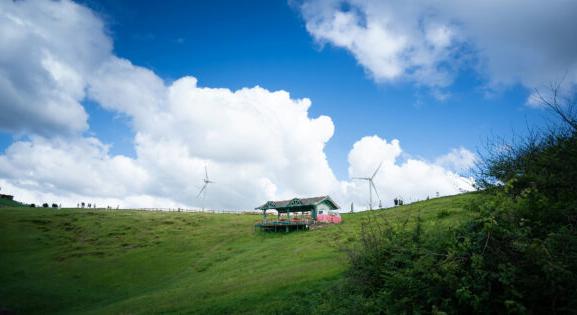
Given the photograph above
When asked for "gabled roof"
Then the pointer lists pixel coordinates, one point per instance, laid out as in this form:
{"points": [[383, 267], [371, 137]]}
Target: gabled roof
{"points": [[297, 203]]}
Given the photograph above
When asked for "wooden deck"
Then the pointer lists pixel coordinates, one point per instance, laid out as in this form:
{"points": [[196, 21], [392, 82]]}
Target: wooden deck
{"points": [[284, 226]]}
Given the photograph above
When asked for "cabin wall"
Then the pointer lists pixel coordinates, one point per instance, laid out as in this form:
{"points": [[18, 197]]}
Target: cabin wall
{"points": [[323, 207]]}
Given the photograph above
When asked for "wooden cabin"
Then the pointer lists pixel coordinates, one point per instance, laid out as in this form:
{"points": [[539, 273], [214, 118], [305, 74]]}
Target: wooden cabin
{"points": [[298, 213]]}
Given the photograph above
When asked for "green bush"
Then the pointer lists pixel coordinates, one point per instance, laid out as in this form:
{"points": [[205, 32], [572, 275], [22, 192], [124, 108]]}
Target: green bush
{"points": [[518, 256], [494, 264]]}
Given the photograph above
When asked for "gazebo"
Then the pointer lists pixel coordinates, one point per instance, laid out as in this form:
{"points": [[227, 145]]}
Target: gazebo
{"points": [[294, 214]]}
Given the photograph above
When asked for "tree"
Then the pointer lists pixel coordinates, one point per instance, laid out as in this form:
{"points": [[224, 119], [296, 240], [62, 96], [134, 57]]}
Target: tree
{"points": [[563, 106]]}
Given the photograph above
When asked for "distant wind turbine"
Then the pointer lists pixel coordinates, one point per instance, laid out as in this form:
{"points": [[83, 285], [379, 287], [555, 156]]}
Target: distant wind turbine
{"points": [[372, 186], [206, 181]]}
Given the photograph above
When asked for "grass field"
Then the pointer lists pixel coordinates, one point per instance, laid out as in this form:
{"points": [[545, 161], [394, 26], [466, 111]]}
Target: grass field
{"points": [[134, 262]]}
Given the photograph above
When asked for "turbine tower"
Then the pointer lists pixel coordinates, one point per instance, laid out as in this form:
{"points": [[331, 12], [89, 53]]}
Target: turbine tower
{"points": [[206, 181], [372, 186]]}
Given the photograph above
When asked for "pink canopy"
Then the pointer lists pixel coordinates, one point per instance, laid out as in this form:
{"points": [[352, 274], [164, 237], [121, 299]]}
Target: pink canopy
{"points": [[329, 218]]}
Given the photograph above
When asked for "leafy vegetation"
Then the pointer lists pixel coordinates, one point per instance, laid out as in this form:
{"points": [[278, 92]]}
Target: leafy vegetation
{"points": [[517, 255], [109, 261]]}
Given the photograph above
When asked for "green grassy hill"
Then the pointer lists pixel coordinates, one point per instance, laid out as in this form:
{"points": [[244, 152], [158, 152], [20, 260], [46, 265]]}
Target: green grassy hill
{"points": [[10, 203], [71, 260]]}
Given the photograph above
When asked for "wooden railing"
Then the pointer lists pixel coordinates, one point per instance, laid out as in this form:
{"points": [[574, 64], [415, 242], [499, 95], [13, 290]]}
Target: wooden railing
{"points": [[239, 212]]}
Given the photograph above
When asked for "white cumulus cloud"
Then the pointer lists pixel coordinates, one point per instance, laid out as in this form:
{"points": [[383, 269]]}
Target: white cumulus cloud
{"points": [[257, 144], [458, 160], [48, 50], [410, 179], [427, 42]]}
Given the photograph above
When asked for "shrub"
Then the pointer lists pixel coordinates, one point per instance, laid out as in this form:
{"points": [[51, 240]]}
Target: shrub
{"points": [[518, 256], [493, 264]]}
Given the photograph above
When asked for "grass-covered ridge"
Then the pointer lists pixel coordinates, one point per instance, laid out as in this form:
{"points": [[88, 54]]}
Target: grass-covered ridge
{"points": [[70, 261], [10, 203]]}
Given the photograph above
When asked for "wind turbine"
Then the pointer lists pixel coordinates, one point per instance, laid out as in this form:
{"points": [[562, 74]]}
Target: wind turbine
{"points": [[206, 181], [372, 186]]}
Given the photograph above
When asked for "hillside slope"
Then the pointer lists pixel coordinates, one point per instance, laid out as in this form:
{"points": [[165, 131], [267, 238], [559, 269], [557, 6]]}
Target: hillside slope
{"points": [[7, 203], [71, 260]]}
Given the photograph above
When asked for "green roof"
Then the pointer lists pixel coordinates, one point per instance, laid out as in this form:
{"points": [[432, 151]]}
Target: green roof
{"points": [[298, 204]]}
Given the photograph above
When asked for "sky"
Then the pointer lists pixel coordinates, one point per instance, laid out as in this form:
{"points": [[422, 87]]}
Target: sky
{"points": [[125, 103]]}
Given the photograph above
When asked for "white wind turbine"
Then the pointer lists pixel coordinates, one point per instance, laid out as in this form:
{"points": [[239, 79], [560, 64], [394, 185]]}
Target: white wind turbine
{"points": [[372, 186], [206, 181]]}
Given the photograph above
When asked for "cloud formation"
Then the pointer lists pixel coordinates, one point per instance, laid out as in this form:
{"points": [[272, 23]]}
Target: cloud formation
{"points": [[427, 42], [458, 160], [47, 52], [257, 144], [410, 179]]}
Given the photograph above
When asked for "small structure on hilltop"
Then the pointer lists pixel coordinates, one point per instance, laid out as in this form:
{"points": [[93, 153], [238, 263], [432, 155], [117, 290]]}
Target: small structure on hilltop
{"points": [[298, 214], [7, 197]]}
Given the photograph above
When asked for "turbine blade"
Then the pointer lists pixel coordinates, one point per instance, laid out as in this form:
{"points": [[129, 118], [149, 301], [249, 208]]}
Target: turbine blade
{"points": [[205, 173], [378, 168]]}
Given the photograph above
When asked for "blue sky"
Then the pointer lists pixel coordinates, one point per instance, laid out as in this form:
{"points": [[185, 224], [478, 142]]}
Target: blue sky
{"points": [[265, 43], [437, 78]]}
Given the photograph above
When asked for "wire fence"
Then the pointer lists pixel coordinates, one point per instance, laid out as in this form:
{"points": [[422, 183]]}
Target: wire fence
{"points": [[238, 212]]}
